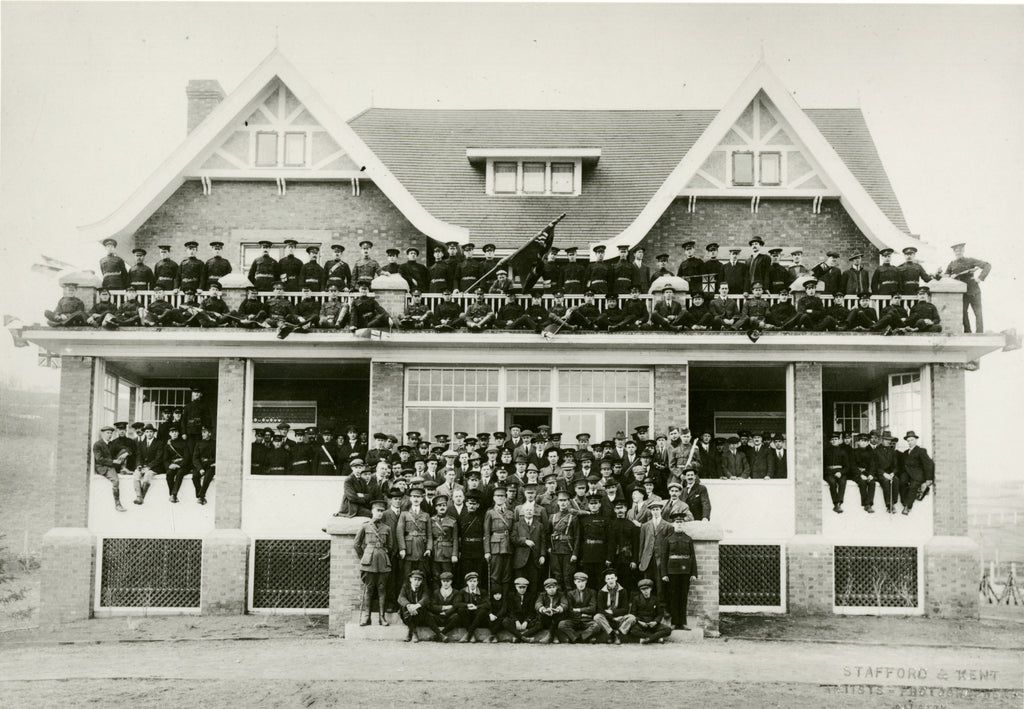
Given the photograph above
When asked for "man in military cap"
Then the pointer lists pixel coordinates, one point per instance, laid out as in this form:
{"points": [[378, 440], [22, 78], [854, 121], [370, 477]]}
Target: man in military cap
{"points": [[911, 272], [581, 605], [613, 316], [893, 317], [594, 554], [798, 268], [467, 270], [551, 607], [471, 535], [449, 314], [216, 267], [414, 272], [69, 311], [810, 309], [488, 265], [498, 532], [415, 534], [837, 470], [290, 267], [479, 315], [366, 311], [924, 316], [165, 271], [303, 452], [598, 272], [621, 276], [439, 273], [129, 312], [250, 312], [886, 278], [374, 544], [862, 468], [754, 312], [886, 467], [107, 465], [862, 317], [559, 313], [521, 615], [691, 268], [564, 540], [414, 606], [573, 272], [122, 448], [551, 274], [828, 273], [336, 271], [623, 539], [277, 459], [661, 261], [778, 275], [365, 268], [836, 313], [714, 271], [333, 312], [265, 271], [112, 267], [214, 312], [635, 313], [102, 312], [204, 463], [391, 266], [445, 534], [647, 611], [177, 461], [191, 271], [970, 271], [678, 564], [311, 274], [140, 276]]}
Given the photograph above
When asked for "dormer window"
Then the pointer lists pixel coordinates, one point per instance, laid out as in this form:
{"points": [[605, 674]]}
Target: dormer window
{"points": [[281, 148], [534, 172]]}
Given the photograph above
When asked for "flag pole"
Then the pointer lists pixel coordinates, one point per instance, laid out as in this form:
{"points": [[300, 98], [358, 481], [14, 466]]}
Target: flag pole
{"points": [[515, 253]]}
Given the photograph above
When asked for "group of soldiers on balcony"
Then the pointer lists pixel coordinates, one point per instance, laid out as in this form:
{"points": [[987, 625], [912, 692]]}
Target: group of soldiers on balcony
{"points": [[709, 284]]}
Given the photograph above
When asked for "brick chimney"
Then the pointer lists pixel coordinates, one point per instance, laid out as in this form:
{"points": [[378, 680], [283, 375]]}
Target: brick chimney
{"points": [[203, 97]]}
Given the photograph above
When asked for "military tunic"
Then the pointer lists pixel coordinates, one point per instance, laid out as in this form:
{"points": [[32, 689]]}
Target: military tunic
{"points": [[140, 277], [597, 277], [216, 268], [115, 273], [885, 280], [337, 274], [467, 274], [416, 275], [692, 269], [440, 277], [312, 276], [290, 272], [365, 268], [191, 274], [166, 274], [911, 274]]}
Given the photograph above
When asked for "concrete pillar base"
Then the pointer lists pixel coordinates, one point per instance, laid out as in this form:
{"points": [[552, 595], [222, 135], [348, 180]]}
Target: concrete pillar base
{"points": [[951, 571], [703, 601], [225, 584], [346, 587], [68, 575], [809, 567]]}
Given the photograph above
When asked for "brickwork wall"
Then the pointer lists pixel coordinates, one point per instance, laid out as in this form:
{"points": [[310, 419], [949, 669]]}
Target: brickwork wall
{"points": [[387, 397], [345, 585], [951, 577], [809, 565], [68, 559], [780, 222], [671, 396], [225, 581], [329, 206], [808, 443], [230, 442], [703, 603], [949, 439], [74, 443]]}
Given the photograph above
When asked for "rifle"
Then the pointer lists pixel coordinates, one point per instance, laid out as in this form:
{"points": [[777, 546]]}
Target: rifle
{"points": [[548, 334], [509, 258]]}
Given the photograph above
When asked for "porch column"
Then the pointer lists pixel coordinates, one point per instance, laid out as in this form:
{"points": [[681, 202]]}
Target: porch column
{"points": [[951, 557], [809, 559], [387, 397], [226, 548], [69, 548], [671, 397]]}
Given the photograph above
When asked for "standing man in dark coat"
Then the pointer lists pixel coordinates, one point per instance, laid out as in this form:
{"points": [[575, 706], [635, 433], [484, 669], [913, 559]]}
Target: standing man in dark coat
{"points": [[265, 270], [165, 271], [471, 535], [112, 268], [140, 276], [758, 265], [886, 278], [191, 271], [414, 272], [778, 275], [691, 268], [734, 272], [440, 273], [216, 267], [336, 271], [912, 274], [311, 275], [622, 272], [641, 273], [695, 495], [598, 272], [290, 267], [713, 268], [970, 271], [829, 274], [573, 273], [855, 279]]}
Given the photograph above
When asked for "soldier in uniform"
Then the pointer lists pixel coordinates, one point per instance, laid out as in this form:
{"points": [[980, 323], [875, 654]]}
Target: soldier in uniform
{"points": [[572, 272], [290, 267], [204, 463], [551, 606], [392, 263], [129, 312], [886, 467], [107, 465], [635, 314], [552, 273], [498, 529], [417, 314], [856, 279], [893, 317], [782, 313], [414, 603], [564, 540], [754, 312], [265, 271], [165, 271], [837, 470], [102, 312], [191, 271], [479, 315], [678, 563], [623, 538], [911, 272], [471, 534], [176, 456], [215, 312], [924, 316], [140, 276], [829, 274], [734, 272], [473, 609], [250, 312], [613, 316], [778, 275], [810, 309], [918, 473], [521, 614], [439, 273], [445, 534], [280, 311], [365, 311], [303, 453], [112, 268], [862, 468], [886, 278], [454, 255], [648, 612], [559, 314], [594, 553], [467, 271], [862, 317], [692, 268], [509, 312], [414, 272], [365, 268], [598, 272], [449, 314], [621, 278], [581, 605], [311, 275], [336, 271], [964, 269], [374, 545], [798, 268], [415, 534], [836, 313], [332, 311], [663, 270], [713, 268], [216, 267]]}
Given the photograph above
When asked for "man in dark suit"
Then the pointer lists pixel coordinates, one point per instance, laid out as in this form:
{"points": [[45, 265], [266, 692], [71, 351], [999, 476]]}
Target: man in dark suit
{"points": [[106, 464], [886, 466], [856, 279], [529, 538], [759, 457], [918, 472], [828, 273], [579, 624], [695, 495], [356, 498], [521, 616], [652, 537], [149, 461], [734, 272], [779, 460], [758, 266]]}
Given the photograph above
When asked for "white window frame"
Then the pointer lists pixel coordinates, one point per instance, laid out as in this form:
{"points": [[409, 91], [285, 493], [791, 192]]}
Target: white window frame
{"points": [[760, 168], [282, 138], [730, 178], [577, 176], [839, 422]]}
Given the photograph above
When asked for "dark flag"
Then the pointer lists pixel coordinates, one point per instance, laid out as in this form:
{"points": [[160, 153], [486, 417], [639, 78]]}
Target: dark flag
{"points": [[528, 260]]}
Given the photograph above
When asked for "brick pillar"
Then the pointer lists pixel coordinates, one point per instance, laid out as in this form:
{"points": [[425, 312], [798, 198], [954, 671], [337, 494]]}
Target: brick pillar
{"points": [[809, 562], [345, 585], [387, 397], [703, 601], [226, 548], [68, 550], [949, 438], [808, 447], [948, 298], [671, 396], [951, 577]]}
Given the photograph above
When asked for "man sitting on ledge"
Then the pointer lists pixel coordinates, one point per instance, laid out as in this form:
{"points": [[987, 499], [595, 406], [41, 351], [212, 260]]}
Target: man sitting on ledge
{"points": [[70, 309]]}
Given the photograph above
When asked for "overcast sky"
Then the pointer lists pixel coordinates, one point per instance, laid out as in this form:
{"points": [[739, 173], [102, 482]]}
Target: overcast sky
{"points": [[93, 100]]}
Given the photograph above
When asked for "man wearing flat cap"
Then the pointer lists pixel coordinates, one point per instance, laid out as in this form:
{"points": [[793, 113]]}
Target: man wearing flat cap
{"points": [[648, 612], [414, 606], [581, 605], [105, 464], [472, 607], [856, 279]]}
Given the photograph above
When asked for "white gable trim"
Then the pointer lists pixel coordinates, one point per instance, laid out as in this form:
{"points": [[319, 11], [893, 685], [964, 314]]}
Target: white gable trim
{"points": [[858, 203], [209, 135]]}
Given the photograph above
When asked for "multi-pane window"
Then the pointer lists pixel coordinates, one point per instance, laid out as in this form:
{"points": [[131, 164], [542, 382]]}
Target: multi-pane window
{"points": [[852, 416], [436, 420], [743, 168], [456, 385], [563, 177], [110, 382], [624, 420], [533, 177], [294, 149], [604, 386], [505, 177], [905, 405], [266, 149], [771, 168], [155, 401], [528, 385], [882, 412]]}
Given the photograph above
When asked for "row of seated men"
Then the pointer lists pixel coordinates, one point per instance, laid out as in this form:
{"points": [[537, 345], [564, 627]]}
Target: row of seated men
{"points": [[456, 269], [904, 476], [753, 314], [410, 556]]}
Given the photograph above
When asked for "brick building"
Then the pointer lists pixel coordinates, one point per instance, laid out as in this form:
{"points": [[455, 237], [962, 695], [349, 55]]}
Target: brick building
{"points": [[272, 161]]}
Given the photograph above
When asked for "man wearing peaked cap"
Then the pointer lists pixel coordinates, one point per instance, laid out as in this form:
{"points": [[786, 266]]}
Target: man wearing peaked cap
{"points": [[374, 545], [970, 271], [216, 267], [648, 611], [714, 271], [265, 271], [829, 274], [551, 607], [366, 268], [415, 534], [678, 564], [924, 316], [415, 603], [112, 268], [498, 543], [911, 272], [392, 263], [691, 268], [140, 276]]}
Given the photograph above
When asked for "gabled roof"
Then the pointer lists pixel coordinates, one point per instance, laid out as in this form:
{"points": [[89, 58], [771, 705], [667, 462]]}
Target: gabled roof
{"points": [[426, 150], [237, 106]]}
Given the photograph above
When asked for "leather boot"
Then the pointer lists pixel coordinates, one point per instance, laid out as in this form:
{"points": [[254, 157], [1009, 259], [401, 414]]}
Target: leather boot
{"points": [[364, 608]]}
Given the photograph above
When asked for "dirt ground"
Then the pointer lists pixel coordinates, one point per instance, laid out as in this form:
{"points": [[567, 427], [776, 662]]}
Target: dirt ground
{"points": [[483, 694]]}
